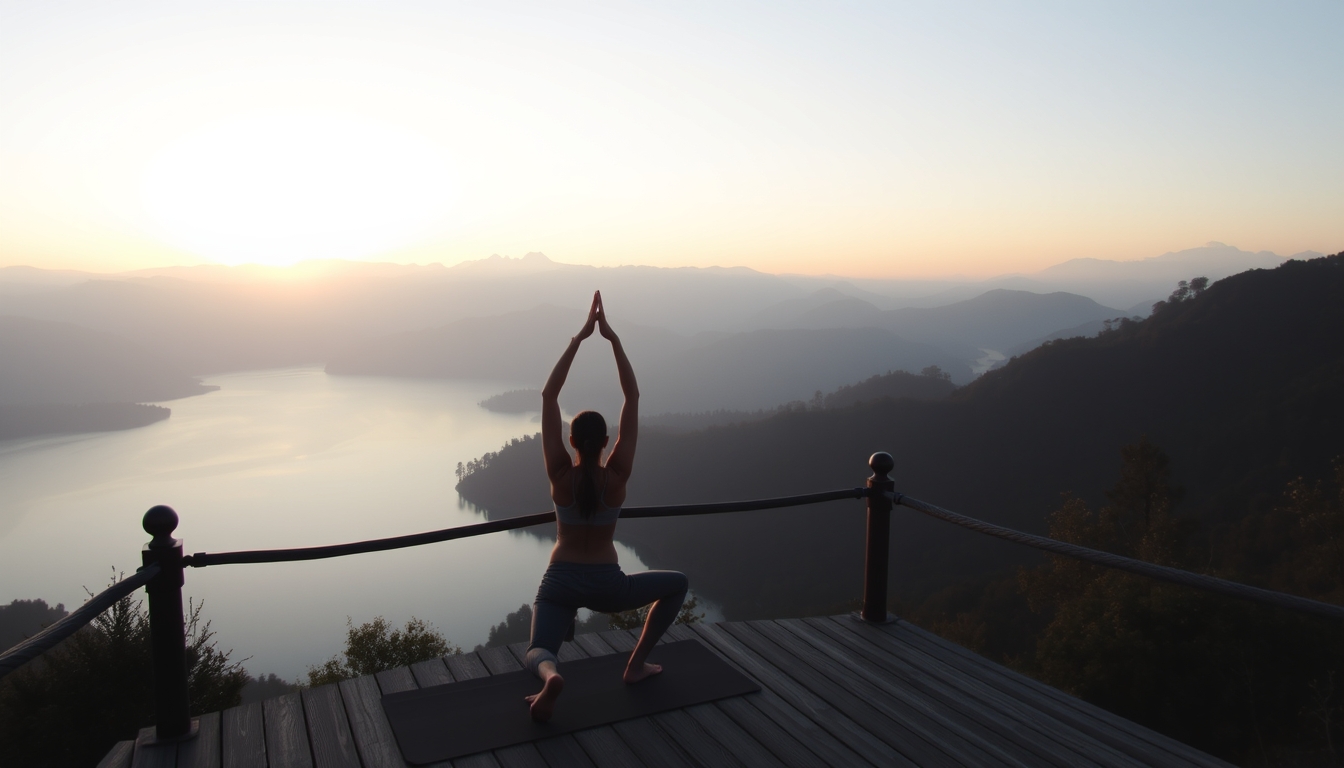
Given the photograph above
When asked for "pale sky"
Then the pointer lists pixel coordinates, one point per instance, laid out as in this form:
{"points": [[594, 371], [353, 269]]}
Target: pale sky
{"points": [[881, 140]]}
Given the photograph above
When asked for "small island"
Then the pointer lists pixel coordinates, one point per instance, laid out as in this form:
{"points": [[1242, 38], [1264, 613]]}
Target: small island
{"points": [[513, 401]]}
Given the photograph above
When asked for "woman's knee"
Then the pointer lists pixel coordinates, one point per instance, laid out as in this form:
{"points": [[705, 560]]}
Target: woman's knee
{"points": [[679, 584]]}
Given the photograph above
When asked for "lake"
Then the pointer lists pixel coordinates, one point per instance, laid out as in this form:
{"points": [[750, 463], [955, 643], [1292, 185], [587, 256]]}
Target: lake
{"points": [[281, 458]]}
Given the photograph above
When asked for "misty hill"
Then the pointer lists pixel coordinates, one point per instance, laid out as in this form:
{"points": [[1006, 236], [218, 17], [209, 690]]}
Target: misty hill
{"points": [[1216, 258], [770, 367], [738, 371], [1108, 282], [998, 319], [1124, 283], [211, 318], [933, 384], [823, 308], [218, 318], [1240, 386], [47, 362]]}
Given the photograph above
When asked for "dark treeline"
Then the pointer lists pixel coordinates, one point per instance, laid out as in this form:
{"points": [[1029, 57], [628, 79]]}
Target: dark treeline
{"points": [[513, 401], [56, 418], [1255, 684], [1238, 384]]}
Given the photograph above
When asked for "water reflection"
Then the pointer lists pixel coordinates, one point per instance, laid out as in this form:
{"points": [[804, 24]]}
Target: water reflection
{"points": [[281, 458]]}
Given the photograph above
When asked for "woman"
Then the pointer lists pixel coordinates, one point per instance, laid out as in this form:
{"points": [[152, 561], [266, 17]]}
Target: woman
{"points": [[588, 494]]}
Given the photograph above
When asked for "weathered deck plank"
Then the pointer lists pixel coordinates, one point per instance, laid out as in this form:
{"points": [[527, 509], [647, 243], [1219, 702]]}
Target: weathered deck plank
{"points": [[785, 748], [286, 733], [243, 737], [875, 717], [835, 692], [944, 722], [151, 755], [813, 713], [205, 750], [431, 673], [328, 728], [1058, 743], [1147, 746], [373, 735], [119, 756]]}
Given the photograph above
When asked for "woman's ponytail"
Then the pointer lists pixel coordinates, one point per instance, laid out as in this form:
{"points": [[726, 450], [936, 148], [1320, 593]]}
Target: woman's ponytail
{"points": [[589, 433]]}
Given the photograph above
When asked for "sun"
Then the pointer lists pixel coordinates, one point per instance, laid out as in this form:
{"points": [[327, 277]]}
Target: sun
{"points": [[278, 188]]}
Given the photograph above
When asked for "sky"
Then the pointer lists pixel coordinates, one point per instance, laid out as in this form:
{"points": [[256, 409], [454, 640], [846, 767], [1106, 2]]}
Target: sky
{"points": [[892, 139]]}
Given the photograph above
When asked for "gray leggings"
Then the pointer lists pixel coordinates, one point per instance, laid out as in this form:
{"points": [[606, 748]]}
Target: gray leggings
{"points": [[602, 587]]}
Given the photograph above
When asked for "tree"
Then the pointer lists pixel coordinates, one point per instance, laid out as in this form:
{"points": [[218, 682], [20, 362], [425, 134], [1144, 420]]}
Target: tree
{"points": [[1234, 678], [96, 688], [934, 372], [1185, 291], [374, 646]]}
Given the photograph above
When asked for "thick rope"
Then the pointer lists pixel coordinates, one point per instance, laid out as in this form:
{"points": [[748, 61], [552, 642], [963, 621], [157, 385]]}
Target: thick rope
{"points": [[48, 638], [203, 559], [1152, 571]]}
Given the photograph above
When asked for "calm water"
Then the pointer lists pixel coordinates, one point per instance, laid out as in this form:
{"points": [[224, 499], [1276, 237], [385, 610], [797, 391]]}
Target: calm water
{"points": [[280, 458]]}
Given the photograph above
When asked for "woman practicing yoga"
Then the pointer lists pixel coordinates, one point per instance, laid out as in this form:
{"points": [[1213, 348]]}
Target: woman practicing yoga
{"points": [[588, 494]]}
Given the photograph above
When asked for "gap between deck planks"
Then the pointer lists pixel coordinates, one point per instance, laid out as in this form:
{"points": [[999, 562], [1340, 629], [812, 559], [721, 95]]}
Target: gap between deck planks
{"points": [[835, 691]]}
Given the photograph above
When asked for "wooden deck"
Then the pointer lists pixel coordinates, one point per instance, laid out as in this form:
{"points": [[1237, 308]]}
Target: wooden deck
{"points": [[835, 692]]}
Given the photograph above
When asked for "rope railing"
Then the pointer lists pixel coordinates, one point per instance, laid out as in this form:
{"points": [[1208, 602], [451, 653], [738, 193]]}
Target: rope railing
{"points": [[48, 638], [162, 574], [1140, 567], [203, 559]]}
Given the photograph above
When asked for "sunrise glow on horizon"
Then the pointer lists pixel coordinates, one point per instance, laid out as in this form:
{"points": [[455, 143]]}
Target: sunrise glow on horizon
{"points": [[893, 140]]}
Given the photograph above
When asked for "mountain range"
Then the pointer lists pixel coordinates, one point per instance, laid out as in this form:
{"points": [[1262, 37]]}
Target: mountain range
{"points": [[706, 339], [1239, 385]]}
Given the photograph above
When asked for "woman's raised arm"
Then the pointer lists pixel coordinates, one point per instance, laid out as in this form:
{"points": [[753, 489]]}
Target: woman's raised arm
{"points": [[622, 458], [558, 460]]}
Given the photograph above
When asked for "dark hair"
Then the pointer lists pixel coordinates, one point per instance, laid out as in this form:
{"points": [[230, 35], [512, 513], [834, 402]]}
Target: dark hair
{"points": [[588, 430]]}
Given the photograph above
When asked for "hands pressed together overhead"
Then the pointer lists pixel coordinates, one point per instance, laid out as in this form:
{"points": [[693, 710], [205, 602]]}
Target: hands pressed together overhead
{"points": [[597, 316]]}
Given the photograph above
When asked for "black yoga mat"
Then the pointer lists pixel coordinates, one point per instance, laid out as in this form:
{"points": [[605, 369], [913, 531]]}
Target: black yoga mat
{"points": [[447, 721]]}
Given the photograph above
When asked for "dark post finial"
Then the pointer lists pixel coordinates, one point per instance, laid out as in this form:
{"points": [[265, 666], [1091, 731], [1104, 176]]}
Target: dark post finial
{"points": [[877, 538], [160, 522], [167, 627], [881, 463]]}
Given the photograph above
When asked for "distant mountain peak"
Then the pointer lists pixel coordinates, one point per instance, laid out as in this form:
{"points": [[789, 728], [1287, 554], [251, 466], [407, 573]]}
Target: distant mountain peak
{"points": [[534, 261]]}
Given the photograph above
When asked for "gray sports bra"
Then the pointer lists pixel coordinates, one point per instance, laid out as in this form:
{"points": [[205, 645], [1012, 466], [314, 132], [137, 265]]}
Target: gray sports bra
{"points": [[603, 515]]}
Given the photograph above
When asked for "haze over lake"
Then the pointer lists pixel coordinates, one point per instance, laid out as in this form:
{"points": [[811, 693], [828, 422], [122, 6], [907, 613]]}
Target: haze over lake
{"points": [[281, 458]]}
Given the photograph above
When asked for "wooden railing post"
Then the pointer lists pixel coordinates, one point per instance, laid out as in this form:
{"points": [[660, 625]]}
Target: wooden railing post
{"points": [[877, 540], [167, 627]]}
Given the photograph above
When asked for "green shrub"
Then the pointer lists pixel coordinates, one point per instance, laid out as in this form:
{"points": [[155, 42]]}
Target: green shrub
{"points": [[68, 707], [374, 646]]}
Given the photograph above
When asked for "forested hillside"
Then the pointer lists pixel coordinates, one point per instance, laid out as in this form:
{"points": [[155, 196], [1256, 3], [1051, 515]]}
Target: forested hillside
{"points": [[1206, 437], [1240, 385]]}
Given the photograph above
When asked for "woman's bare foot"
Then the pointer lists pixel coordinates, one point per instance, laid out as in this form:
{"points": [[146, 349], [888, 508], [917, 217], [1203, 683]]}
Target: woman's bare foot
{"points": [[645, 670], [543, 703]]}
